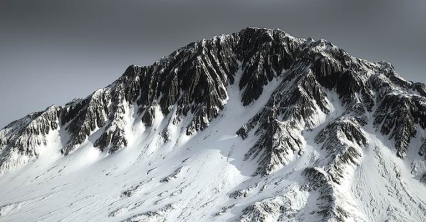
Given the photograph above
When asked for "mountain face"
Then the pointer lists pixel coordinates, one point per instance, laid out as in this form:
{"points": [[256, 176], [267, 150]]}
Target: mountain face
{"points": [[252, 126]]}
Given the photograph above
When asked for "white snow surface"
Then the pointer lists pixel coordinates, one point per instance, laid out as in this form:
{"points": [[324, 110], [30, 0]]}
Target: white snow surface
{"points": [[203, 177]]}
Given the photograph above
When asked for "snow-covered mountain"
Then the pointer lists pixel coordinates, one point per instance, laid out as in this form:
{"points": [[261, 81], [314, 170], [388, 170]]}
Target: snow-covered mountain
{"points": [[252, 126]]}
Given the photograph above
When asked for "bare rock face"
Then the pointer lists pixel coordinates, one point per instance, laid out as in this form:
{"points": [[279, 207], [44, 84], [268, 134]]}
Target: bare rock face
{"points": [[20, 139]]}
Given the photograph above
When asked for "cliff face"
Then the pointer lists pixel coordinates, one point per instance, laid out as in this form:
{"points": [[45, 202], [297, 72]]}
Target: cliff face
{"points": [[320, 96]]}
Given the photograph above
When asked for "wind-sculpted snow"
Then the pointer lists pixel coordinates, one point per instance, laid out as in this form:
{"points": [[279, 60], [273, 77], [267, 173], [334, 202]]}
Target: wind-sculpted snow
{"points": [[252, 126]]}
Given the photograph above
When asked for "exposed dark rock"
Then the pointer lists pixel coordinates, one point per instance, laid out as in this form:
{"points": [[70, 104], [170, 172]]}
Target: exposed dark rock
{"points": [[397, 116], [92, 114], [337, 138], [264, 54], [420, 88], [423, 179], [422, 150], [327, 72], [25, 135], [328, 207], [276, 146], [293, 104]]}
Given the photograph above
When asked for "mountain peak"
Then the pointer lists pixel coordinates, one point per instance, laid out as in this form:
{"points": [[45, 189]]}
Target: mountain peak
{"points": [[278, 127]]}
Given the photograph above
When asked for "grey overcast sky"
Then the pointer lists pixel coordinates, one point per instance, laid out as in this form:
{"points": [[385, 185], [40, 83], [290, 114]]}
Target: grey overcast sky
{"points": [[52, 51]]}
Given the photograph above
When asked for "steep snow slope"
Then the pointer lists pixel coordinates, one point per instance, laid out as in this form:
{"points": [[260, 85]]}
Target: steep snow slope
{"points": [[252, 126]]}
